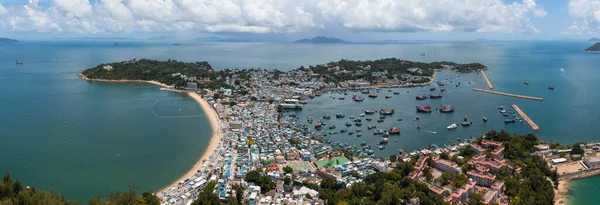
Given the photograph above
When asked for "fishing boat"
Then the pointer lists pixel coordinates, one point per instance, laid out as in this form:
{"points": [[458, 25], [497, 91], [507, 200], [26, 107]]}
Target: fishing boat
{"points": [[382, 117], [368, 119], [384, 140], [371, 127], [484, 119], [380, 120], [365, 91], [435, 96], [394, 130], [388, 96], [318, 125], [357, 123], [431, 89], [421, 97], [370, 111], [372, 95], [363, 143], [465, 124], [446, 108], [358, 134], [509, 121], [348, 124], [327, 117], [551, 87], [452, 126], [388, 111], [357, 98], [423, 108], [343, 130], [443, 89], [341, 98], [340, 115], [396, 93]]}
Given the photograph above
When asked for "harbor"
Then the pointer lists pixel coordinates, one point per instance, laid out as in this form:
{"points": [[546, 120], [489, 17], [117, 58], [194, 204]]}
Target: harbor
{"points": [[509, 94], [487, 80], [526, 118]]}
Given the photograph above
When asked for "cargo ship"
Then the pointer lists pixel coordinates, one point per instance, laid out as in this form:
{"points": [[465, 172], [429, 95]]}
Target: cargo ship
{"points": [[446, 108], [423, 108]]}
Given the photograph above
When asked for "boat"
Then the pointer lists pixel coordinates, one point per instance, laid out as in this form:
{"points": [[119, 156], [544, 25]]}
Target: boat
{"points": [[384, 140], [358, 134], [551, 87], [291, 104], [357, 98], [381, 147], [357, 123], [361, 115], [358, 130], [303, 102], [340, 115], [363, 143], [318, 94], [352, 117], [501, 107], [396, 93], [318, 125], [291, 115], [371, 127], [343, 130], [452, 126], [331, 127], [376, 132], [505, 114], [380, 120], [503, 111], [311, 96], [509, 121], [350, 133], [348, 124], [465, 118], [435, 96], [484, 119], [368, 119], [341, 98], [394, 130], [465, 124], [421, 97], [372, 95], [526, 83], [327, 117], [446, 108], [382, 117], [423, 108], [358, 120], [388, 111], [19, 62], [388, 96], [431, 89], [365, 92], [370, 111], [443, 89]]}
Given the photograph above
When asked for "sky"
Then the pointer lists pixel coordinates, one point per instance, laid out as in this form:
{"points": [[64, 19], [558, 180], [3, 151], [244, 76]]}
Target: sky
{"points": [[285, 20]]}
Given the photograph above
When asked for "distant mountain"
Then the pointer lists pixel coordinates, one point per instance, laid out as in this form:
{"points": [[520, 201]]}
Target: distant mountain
{"points": [[160, 38], [594, 48], [8, 40], [209, 39], [321, 39], [594, 39], [94, 38]]}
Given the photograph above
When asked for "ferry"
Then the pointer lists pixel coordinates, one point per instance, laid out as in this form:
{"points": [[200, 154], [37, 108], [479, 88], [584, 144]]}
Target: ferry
{"points": [[291, 104], [435, 96], [370, 111], [357, 98], [446, 108], [452, 126], [423, 108], [394, 130], [372, 95], [340, 115], [421, 97]]}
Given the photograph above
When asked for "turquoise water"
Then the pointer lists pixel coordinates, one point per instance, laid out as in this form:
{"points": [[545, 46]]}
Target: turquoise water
{"points": [[584, 191], [82, 139]]}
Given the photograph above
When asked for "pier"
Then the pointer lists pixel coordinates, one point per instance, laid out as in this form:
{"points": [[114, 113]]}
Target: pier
{"points": [[530, 122], [509, 94], [489, 84]]}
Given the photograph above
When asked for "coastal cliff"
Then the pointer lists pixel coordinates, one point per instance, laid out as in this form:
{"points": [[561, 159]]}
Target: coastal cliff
{"points": [[594, 48]]}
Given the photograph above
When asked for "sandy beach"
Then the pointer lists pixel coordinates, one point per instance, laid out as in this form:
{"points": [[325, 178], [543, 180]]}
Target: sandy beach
{"points": [[560, 195], [82, 76], [214, 140]]}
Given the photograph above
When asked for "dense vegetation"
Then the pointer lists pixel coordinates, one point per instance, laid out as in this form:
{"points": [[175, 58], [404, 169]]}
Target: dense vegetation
{"points": [[264, 181], [530, 186], [392, 66], [160, 71], [593, 48], [13, 192]]}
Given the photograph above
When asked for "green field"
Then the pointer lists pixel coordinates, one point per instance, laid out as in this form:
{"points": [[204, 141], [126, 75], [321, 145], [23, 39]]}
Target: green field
{"points": [[334, 161]]}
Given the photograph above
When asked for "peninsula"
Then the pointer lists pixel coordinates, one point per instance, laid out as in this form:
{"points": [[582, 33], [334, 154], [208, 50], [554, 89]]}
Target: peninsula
{"points": [[8, 40]]}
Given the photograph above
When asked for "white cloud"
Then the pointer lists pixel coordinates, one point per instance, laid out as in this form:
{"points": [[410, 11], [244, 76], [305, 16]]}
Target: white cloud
{"points": [[587, 13], [270, 16]]}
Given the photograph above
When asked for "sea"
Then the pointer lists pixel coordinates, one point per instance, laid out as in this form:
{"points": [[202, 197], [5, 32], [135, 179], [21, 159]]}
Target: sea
{"points": [[83, 139]]}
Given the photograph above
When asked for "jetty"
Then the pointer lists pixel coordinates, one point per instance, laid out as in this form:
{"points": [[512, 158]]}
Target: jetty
{"points": [[509, 94], [528, 120], [489, 84]]}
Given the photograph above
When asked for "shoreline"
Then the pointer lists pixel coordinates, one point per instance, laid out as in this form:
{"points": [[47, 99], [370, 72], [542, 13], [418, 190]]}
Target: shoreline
{"points": [[562, 193], [214, 142], [211, 114]]}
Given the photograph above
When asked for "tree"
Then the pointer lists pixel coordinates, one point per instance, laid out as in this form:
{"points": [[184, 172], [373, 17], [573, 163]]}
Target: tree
{"points": [[280, 108], [287, 180], [287, 169], [258, 179], [577, 149], [239, 193], [207, 195], [393, 158], [475, 199]]}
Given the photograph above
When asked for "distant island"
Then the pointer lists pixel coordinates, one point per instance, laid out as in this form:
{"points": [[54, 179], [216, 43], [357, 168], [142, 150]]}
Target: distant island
{"points": [[160, 38], [8, 40], [321, 39], [208, 39], [594, 39], [594, 48]]}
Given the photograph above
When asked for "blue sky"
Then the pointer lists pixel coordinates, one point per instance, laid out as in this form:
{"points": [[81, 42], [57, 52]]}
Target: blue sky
{"points": [[354, 20]]}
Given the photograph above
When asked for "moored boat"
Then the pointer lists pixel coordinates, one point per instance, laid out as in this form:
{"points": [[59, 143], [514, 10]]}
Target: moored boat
{"points": [[551, 87], [340, 115], [484, 119], [371, 126], [368, 119], [394, 130], [396, 93], [421, 97], [446, 108], [372, 95], [388, 96], [388, 111], [431, 89], [327, 117], [435, 96], [509, 121], [357, 98], [370, 111], [452, 126], [465, 124], [423, 108], [365, 91]]}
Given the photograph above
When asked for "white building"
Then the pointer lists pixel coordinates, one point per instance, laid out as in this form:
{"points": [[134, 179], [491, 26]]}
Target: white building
{"points": [[107, 67]]}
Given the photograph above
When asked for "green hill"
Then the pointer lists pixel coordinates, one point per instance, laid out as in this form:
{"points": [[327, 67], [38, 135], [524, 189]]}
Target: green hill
{"points": [[593, 48]]}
